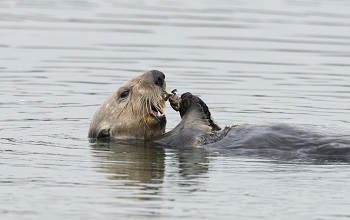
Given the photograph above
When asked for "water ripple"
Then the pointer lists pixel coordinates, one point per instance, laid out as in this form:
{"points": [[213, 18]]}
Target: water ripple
{"points": [[251, 61]]}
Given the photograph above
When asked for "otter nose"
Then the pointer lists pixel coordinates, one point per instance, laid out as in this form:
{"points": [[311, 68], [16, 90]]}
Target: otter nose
{"points": [[158, 77]]}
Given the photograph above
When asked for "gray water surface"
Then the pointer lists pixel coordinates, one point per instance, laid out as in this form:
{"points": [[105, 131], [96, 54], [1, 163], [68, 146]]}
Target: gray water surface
{"points": [[252, 62]]}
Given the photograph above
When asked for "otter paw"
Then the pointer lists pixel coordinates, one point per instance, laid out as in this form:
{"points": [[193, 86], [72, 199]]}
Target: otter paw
{"points": [[174, 100]]}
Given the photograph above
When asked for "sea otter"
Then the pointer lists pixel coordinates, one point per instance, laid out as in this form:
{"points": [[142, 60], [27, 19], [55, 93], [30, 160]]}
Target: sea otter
{"points": [[134, 111]]}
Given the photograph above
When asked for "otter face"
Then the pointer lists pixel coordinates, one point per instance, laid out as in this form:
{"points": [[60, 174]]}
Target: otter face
{"points": [[135, 110]]}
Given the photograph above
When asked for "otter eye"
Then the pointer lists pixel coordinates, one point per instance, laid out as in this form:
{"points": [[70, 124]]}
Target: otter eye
{"points": [[124, 94]]}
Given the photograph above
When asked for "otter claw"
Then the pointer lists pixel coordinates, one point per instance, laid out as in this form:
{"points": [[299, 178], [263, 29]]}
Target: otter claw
{"points": [[175, 101], [168, 95]]}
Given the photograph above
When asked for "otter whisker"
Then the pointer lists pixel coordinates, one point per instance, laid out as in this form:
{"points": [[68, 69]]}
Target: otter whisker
{"points": [[125, 107], [157, 119], [144, 106], [144, 121], [140, 106], [148, 107]]}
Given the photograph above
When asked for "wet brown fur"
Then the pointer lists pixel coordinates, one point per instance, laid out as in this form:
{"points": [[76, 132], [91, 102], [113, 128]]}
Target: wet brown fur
{"points": [[129, 117]]}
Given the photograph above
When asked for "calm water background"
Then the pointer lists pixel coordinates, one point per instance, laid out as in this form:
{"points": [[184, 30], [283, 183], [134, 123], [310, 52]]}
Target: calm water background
{"points": [[251, 61]]}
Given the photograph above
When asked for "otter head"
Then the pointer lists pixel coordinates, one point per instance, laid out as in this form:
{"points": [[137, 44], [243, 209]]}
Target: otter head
{"points": [[134, 111]]}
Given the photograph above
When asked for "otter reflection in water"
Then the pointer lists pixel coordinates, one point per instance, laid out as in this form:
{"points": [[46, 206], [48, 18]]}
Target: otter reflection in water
{"points": [[135, 164], [136, 111]]}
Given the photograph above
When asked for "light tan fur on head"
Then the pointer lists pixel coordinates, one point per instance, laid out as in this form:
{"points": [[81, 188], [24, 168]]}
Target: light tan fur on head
{"points": [[135, 110]]}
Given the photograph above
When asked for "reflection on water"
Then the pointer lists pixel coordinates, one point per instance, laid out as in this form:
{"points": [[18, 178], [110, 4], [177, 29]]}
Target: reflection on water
{"points": [[251, 61], [143, 177], [134, 163], [146, 164]]}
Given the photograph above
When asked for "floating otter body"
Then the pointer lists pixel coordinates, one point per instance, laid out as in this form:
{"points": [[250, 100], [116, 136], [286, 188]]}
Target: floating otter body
{"points": [[198, 129], [139, 115]]}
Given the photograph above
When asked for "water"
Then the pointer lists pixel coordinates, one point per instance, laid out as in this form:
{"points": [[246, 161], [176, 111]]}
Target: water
{"points": [[251, 61]]}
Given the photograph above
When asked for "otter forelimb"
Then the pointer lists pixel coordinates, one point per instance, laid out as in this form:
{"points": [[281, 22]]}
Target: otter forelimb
{"points": [[174, 100]]}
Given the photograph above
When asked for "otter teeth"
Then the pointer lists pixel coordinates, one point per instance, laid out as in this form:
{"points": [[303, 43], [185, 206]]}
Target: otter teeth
{"points": [[156, 112]]}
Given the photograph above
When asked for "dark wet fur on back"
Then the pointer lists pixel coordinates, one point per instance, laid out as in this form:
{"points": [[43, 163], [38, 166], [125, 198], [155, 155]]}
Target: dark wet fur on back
{"points": [[287, 141]]}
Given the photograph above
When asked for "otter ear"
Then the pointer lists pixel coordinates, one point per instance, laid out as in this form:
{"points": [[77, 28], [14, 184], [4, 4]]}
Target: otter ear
{"points": [[103, 133]]}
